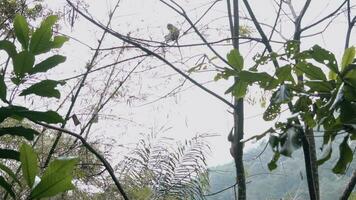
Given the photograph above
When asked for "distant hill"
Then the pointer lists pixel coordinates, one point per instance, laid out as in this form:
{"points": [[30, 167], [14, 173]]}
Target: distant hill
{"points": [[288, 181]]}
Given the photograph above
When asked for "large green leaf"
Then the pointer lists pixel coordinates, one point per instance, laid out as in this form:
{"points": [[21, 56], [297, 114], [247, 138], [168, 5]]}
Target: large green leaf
{"points": [[21, 30], [320, 86], [29, 164], [252, 77], [58, 41], [348, 57], [22, 112], [47, 64], [8, 47], [9, 154], [41, 38], [311, 71], [325, 57], [235, 59], [44, 88], [7, 187], [2, 89], [345, 157], [56, 179], [48, 116], [285, 74], [9, 172], [347, 112], [19, 131], [240, 89], [23, 63]]}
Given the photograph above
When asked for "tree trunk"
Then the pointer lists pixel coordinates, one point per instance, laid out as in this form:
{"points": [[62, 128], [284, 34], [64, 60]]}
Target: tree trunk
{"points": [[349, 187]]}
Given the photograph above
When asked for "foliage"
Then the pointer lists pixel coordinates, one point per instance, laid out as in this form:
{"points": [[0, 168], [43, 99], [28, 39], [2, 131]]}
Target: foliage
{"points": [[319, 101], [157, 170], [57, 177]]}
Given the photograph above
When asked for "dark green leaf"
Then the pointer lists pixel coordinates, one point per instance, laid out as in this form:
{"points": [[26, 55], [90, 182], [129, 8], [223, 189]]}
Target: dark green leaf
{"points": [[22, 112], [311, 71], [272, 165], [325, 57], [348, 57], [21, 30], [44, 88], [235, 59], [9, 154], [347, 112], [272, 112], [23, 63], [326, 153], [50, 117], [58, 41], [8, 47], [9, 172], [345, 157], [19, 131], [285, 74], [41, 38], [2, 89], [320, 86], [7, 187], [252, 77], [29, 164], [47, 64], [302, 104], [292, 48], [56, 179]]}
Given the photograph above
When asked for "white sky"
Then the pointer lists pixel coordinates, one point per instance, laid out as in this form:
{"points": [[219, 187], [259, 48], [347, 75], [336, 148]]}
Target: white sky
{"points": [[192, 111]]}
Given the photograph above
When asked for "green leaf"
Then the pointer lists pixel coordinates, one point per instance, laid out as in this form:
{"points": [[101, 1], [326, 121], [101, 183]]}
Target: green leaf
{"points": [[23, 63], [9, 172], [21, 30], [252, 77], [320, 86], [41, 38], [272, 112], [272, 165], [47, 64], [2, 89], [9, 154], [8, 47], [345, 157], [50, 117], [29, 164], [311, 71], [44, 88], [326, 153], [348, 57], [239, 90], [56, 179], [285, 74], [19, 131], [58, 41], [22, 112], [325, 57], [347, 112], [7, 187], [235, 59]]}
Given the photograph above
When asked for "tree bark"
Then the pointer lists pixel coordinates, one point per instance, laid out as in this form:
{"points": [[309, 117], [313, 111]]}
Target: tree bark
{"points": [[349, 187]]}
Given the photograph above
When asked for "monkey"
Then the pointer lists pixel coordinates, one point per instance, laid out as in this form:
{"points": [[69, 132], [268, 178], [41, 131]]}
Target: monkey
{"points": [[173, 36], [230, 138]]}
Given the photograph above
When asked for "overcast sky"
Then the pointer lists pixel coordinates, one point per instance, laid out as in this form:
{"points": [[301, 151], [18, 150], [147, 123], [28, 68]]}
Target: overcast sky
{"points": [[192, 111]]}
